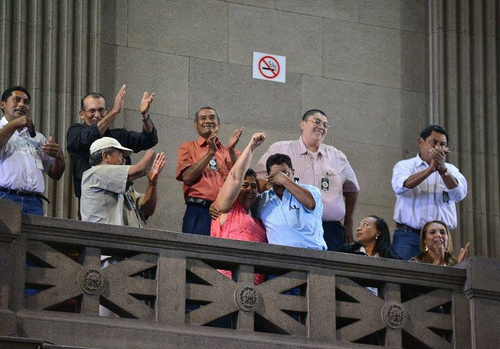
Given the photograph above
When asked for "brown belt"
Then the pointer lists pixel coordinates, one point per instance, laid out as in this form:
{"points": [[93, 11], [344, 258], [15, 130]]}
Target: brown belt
{"points": [[407, 228]]}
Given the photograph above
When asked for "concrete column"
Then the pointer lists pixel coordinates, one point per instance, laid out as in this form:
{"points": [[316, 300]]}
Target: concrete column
{"points": [[464, 98], [55, 53], [483, 290]]}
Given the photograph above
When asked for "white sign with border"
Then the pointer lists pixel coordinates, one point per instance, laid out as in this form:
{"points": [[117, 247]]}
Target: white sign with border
{"points": [[267, 66]]}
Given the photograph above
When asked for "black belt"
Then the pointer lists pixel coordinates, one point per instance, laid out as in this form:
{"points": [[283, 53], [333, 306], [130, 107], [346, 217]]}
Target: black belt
{"points": [[198, 201], [23, 193], [407, 228]]}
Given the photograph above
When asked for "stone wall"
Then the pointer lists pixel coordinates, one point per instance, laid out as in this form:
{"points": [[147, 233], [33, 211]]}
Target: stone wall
{"points": [[381, 70], [363, 62]]}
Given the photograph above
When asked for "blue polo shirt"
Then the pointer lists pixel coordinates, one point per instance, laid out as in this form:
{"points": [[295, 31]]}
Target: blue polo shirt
{"points": [[288, 222]]}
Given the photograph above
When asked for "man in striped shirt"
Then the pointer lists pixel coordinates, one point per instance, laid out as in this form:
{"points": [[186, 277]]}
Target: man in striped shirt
{"points": [[324, 167]]}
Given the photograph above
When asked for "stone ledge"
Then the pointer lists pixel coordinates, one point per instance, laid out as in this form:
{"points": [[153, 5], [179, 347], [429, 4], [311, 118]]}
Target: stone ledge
{"points": [[72, 231]]}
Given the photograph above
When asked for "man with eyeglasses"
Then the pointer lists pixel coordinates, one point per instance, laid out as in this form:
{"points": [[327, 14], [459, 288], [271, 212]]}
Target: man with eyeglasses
{"points": [[324, 167], [96, 124], [25, 154], [427, 189]]}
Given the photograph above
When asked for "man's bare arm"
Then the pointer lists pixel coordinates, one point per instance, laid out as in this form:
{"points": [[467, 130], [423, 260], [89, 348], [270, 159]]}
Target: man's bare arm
{"points": [[142, 167], [17, 124], [350, 205], [193, 172], [106, 121]]}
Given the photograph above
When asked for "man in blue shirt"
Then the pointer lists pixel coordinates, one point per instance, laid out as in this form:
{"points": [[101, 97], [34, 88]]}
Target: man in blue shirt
{"points": [[291, 212]]}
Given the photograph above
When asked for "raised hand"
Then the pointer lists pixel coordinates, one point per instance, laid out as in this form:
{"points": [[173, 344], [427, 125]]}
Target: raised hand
{"points": [[52, 149], [463, 253], [257, 139], [118, 105], [157, 167], [146, 103], [235, 138]]}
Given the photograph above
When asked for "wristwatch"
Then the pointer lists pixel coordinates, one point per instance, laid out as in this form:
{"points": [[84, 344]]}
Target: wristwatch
{"points": [[146, 118]]}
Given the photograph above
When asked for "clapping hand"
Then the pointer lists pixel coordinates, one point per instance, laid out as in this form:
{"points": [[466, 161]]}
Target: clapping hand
{"points": [[146, 103], [463, 253], [211, 142], [235, 138], [438, 157], [118, 105], [157, 167]]}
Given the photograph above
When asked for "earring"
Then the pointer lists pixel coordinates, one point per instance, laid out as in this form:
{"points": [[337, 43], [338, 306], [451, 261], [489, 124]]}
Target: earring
{"points": [[376, 237], [426, 248]]}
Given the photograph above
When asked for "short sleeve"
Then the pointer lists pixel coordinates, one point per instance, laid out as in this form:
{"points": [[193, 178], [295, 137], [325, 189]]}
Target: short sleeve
{"points": [[112, 178], [184, 159]]}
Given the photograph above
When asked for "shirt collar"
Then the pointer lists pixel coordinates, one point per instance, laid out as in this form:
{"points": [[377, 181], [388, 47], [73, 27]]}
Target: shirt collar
{"points": [[362, 249], [202, 141], [271, 193], [304, 150], [418, 162]]}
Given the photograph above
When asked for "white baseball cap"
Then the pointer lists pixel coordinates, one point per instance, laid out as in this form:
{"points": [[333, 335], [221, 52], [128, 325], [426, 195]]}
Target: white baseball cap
{"points": [[108, 142]]}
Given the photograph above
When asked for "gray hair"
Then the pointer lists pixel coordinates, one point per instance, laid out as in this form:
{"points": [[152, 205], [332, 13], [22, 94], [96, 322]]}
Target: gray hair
{"points": [[215, 111], [96, 158]]}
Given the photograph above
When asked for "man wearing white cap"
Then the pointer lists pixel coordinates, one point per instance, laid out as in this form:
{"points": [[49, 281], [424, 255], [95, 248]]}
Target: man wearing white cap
{"points": [[106, 196]]}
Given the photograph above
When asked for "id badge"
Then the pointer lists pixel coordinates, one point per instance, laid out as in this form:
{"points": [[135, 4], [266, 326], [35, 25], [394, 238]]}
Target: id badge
{"points": [[212, 164], [325, 184], [39, 164], [446, 197], [37, 156]]}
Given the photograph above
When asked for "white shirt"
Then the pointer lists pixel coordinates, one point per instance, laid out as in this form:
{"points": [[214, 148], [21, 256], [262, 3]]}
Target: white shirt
{"points": [[22, 161], [329, 165], [430, 200]]}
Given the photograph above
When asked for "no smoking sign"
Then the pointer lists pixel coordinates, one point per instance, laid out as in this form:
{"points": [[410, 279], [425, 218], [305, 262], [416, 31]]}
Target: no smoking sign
{"points": [[269, 67]]}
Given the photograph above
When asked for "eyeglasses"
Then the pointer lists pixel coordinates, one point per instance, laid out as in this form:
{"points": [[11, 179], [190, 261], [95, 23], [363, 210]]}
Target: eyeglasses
{"points": [[101, 111], [319, 122]]}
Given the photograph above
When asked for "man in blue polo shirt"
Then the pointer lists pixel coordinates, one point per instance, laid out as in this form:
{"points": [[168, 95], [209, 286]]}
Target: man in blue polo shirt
{"points": [[291, 212]]}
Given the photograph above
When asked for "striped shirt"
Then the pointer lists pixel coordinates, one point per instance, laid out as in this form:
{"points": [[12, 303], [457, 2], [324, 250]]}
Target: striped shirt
{"points": [[328, 170]]}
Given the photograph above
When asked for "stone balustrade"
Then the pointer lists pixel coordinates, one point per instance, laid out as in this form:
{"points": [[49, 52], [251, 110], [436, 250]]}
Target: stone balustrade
{"points": [[94, 285]]}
